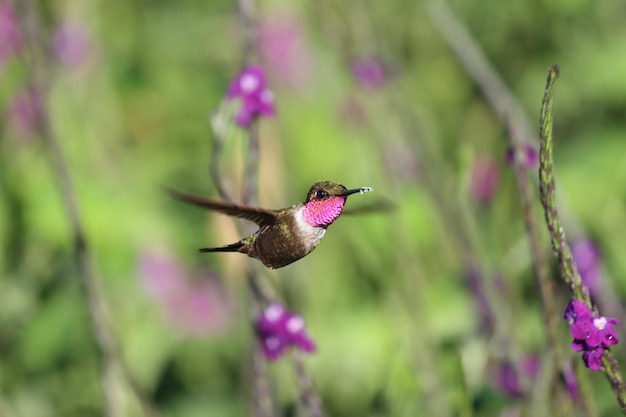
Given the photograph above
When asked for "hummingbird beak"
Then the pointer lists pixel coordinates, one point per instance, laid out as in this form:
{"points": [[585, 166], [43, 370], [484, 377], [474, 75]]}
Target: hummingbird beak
{"points": [[356, 190]]}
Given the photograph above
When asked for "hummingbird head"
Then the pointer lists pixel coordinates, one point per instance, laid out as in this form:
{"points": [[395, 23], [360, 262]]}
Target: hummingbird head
{"points": [[325, 200]]}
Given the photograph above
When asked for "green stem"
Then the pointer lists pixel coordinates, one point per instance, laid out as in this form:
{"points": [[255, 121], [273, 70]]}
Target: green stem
{"points": [[547, 190], [567, 267]]}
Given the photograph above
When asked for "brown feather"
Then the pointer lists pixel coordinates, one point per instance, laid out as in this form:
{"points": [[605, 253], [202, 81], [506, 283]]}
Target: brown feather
{"points": [[260, 216]]}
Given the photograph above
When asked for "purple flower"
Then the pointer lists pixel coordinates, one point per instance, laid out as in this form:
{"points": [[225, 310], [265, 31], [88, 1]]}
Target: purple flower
{"points": [[579, 317], [256, 99], [25, 112], [507, 379], [571, 381], [485, 179], [593, 358], [605, 331], [71, 44], [278, 329], [10, 38], [588, 260], [527, 156], [285, 50], [370, 73], [196, 305], [591, 334]]}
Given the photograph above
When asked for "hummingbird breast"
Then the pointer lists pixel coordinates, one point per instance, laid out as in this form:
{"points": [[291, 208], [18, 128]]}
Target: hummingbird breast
{"points": [[287, 240]]}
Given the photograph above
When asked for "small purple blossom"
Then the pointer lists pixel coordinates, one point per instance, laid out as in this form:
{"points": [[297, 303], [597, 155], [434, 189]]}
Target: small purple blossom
{"points": [[605, 331], [256, 99], [485, 179], [527, 155], [285, 50], [591, 334], [278, 329], [571, 381], [579, 317], [593, 358], [370, 73], [196, 304], [507, 379], [10, 38], [71, 44], [25, 112]]}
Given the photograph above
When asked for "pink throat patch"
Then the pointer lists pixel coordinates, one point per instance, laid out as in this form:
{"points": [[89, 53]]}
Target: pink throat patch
{"points": [[322, 213]]}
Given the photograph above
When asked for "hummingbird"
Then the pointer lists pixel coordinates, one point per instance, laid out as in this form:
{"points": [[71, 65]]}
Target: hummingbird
{"points": [[284, 235]]}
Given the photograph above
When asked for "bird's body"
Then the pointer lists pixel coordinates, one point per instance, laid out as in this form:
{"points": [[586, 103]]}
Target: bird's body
{"points": [[285, 235]]}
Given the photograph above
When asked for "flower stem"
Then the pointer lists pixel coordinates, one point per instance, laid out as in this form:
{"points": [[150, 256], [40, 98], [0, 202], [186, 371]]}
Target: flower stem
{"points": [[547, 190], [567, 267]]}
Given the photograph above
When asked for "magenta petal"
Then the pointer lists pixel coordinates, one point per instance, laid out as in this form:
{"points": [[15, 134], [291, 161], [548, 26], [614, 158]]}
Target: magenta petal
{"points": [[297, 334], [593, 359], [304, 343], [244, 116], [277, 329], [256, 99], [594, 339], [265, 103], [610, 339], [581, 329], [576, 310], [578, 345], [272, 348], [609, 335], [249, 83]]}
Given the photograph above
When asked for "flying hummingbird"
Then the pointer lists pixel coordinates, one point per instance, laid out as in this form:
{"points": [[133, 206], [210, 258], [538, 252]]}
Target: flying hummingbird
{"points": [[285, 235]]}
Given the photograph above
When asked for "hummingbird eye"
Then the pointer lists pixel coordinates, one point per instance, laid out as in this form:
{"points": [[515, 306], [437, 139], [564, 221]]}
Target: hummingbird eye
{"points": [[320, 194]]}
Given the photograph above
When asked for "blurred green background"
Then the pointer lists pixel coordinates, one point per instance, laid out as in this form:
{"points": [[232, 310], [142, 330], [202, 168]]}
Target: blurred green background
{"points": [[400, 325]]}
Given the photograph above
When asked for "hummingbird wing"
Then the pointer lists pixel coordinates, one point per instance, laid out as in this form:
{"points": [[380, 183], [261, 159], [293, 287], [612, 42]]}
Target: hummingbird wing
{"points": [[258, 215]]}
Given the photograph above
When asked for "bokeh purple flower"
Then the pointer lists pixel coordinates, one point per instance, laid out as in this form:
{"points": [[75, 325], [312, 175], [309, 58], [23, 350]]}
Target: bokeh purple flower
{"points": [[571, 381], [256, 99], [285, 51], [485, 179], [279, 329], [527, 155], [370, 73], [507, 379], [588, 260], [197, 305], [25, 113], [591, 334], [10, 37], [71, 44]]}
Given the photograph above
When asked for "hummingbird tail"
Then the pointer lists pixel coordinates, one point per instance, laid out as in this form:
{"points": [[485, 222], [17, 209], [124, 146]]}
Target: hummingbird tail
{"points": [[233, 247]]}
